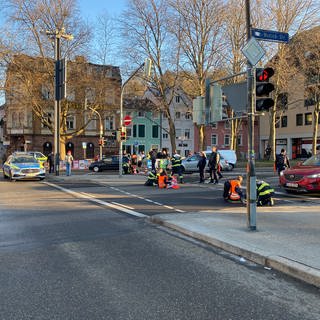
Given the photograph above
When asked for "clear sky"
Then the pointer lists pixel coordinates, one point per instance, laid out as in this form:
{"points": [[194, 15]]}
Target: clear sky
{"points": [[92, 8]]}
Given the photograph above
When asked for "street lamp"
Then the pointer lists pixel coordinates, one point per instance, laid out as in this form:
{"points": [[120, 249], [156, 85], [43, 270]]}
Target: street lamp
{"points": [[57, 35]]}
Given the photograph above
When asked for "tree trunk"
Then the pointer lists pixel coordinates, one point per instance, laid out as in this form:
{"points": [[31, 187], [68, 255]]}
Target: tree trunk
{"points": [[202, 137]]}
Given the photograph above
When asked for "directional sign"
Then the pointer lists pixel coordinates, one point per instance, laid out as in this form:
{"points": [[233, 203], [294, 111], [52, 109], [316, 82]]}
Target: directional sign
{"points": [[269, 35], [127, 120]]}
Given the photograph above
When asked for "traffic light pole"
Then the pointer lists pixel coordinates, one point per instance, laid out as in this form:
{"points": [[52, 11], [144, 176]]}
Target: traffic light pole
{"points": [[251, 175]]}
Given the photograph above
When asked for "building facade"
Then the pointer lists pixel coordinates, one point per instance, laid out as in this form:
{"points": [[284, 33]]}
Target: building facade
{"points": [[29, 107]]}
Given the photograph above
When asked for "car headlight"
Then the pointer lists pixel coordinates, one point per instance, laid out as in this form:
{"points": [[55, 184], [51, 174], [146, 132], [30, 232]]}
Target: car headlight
{"points": [[314, 176]]}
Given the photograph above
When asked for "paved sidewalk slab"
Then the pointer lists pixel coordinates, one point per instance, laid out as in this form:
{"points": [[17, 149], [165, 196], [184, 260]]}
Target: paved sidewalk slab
{"points": [[286, 241]]}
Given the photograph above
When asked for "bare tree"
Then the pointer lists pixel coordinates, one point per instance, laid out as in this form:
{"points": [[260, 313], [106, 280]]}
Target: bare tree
{"points": [[286, 16], [306, 60], [197, 27], [146, 33], [27, 24], [104, 43]]}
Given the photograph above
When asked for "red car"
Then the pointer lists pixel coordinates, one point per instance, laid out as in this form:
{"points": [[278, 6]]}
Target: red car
{"points": [[304, 177]]}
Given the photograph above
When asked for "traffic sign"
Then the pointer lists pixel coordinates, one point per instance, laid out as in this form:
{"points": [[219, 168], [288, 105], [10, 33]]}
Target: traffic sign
{"points": [[253, 51], [127, 120], [270, 35]]}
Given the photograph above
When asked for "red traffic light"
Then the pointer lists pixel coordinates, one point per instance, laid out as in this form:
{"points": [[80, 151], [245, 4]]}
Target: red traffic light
{"points": [[264, 74]]}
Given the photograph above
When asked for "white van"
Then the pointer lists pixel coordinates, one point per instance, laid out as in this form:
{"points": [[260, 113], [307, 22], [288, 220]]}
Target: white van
{"points": [[190, 163], [230, 156]]}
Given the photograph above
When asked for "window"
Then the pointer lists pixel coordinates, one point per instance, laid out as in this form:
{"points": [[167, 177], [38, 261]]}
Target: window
{"points": [[165, 135], [90, 94], [92, 125], [70, 122], [178, 115], [214, 125], [284, 121], [46, 94], [308, 119], [141, 130], [155, 131], [109, 123], [129, 131], [227, 140], [239, 140], [227, 125], [177, 99], [134, 130], [110, 96], [187, 133], [188, 115], [299, 119], [141, 114], [14, 120], [214, 140], [71, 95], [155, 114], [178, 133]]}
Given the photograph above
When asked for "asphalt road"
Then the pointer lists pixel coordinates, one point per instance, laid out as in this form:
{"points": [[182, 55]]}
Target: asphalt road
{"points": [[64, 257]]}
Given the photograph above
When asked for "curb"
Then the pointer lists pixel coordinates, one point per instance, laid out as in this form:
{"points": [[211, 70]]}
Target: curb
{"points": [[289, 267]]}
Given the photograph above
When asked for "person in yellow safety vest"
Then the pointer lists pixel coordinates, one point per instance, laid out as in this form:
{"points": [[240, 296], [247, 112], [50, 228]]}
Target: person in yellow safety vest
{"points": [[152, 179], [264, 194], [232, 190], [176, 166]]}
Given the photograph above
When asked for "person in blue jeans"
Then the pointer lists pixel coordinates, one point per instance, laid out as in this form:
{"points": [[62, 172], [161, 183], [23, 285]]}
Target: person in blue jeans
{"points": [[68, 160]]}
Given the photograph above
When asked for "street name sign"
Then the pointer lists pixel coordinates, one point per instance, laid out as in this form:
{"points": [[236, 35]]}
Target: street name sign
{"points": [[270, 35]]}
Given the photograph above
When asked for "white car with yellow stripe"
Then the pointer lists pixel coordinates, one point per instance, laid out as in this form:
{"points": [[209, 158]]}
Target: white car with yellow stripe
{"points": [[19, 167]]}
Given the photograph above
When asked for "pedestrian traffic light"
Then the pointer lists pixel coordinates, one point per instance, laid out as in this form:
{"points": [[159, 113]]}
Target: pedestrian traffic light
{"points": [[123, 134], [263, 89]]}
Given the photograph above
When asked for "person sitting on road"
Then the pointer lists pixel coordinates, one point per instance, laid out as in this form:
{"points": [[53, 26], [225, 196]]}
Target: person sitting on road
{"points": [[232, 190], [163, 179], [264, 194], [152, 179]]}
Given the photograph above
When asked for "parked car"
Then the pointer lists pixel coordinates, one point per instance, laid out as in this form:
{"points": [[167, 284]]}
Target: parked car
{"points": [[190, 163], [18, 167], [36, 154], [304, 177], [107, 163]]}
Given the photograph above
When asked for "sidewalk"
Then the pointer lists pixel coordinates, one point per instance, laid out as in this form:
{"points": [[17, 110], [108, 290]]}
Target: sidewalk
{"points": [[286, 240]]}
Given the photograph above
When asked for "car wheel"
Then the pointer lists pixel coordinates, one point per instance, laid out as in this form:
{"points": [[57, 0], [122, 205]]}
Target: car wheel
{"points": [[96, 169]]}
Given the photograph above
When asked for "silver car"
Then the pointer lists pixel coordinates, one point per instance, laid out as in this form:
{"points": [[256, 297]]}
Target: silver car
{"points": [[190, 163]]}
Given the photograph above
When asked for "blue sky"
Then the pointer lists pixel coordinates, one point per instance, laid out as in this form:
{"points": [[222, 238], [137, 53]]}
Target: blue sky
{"points": [[92, 8]]}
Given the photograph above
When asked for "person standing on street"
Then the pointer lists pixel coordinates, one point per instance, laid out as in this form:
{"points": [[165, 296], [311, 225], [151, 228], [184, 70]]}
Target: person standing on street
{"points": [[69, 161], [214, 159], [176, 166], [202, 165], [282, 161], [50, 162]]}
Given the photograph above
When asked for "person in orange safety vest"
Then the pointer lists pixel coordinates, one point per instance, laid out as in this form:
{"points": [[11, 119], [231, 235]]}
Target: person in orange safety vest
{"points": [[232, 190]]}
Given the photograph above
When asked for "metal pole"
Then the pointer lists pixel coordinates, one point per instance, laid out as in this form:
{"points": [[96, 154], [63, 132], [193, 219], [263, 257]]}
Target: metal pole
{"points": [[57, 112], [251, 175]]}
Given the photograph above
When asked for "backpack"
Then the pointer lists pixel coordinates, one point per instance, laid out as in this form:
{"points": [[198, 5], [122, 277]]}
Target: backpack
{"points": [[280, 161]]}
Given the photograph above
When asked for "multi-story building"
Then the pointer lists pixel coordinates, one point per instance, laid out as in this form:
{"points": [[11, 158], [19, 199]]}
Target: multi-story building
{"points": [[29, 106]]}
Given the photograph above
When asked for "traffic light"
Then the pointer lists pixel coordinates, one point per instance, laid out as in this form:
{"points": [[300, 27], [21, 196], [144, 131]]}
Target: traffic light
{"points": [[263, 89], [123, 134]]}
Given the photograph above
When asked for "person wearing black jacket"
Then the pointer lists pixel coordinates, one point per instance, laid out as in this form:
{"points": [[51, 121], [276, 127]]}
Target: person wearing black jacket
{"points": [[214, 159], [201, 165], [282, 161]]}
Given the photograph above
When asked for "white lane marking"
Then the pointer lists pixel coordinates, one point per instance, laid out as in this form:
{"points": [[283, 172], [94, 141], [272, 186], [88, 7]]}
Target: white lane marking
{"points": [[169, 207], [122, 205], [178, 210], [91, 198], [158, 203], [148, 200]]}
